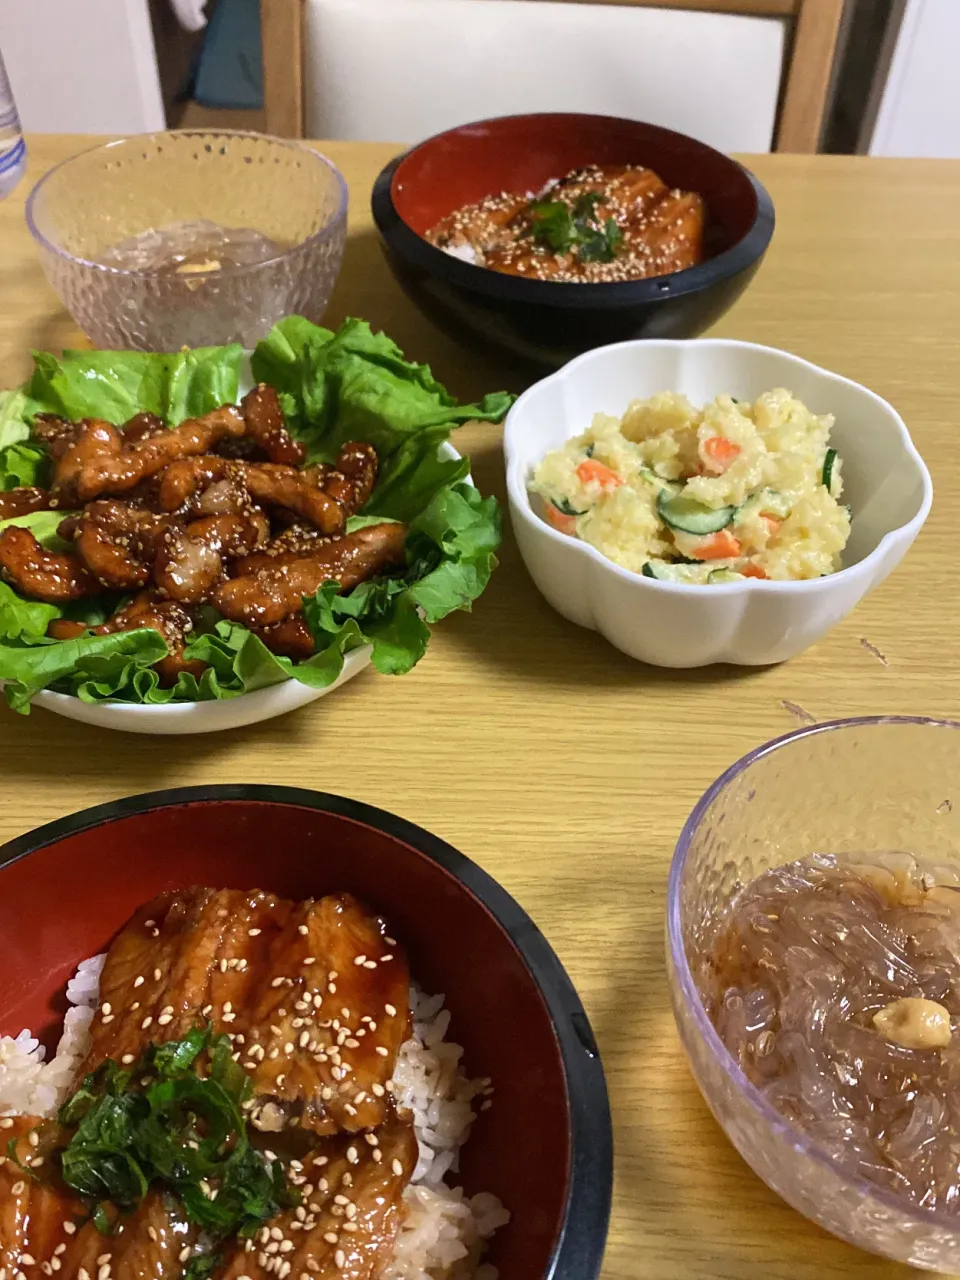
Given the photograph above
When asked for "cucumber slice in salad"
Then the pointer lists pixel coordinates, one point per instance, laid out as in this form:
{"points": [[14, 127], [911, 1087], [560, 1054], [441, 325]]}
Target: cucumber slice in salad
{"points": [[692, 517], [565, 507], [670, 487], [664, 571], [768, 502], [724, 575], [829, 462]]}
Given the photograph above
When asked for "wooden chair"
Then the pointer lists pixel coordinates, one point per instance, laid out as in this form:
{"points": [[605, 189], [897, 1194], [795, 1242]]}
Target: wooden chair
{"points": [[810, 36]]}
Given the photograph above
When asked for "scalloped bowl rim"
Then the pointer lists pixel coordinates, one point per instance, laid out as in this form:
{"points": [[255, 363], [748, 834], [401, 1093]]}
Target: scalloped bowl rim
{"points": [[686, 988], [520, 497], [259, 704], [330, 227]]}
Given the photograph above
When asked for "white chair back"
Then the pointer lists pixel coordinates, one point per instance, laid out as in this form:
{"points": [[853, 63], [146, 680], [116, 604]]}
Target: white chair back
{"points": [[405, 69]]}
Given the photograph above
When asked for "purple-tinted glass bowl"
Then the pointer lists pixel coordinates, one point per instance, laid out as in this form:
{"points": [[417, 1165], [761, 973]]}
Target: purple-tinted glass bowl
{"points": [[872, 784], [82, 209]]}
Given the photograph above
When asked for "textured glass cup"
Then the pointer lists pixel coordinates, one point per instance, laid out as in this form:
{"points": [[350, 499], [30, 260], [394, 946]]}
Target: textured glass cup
{"points": [[95, 200], [854, 786]]}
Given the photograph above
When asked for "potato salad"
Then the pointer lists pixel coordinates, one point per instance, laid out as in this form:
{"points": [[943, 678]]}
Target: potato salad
{"points": [[703, 496]]}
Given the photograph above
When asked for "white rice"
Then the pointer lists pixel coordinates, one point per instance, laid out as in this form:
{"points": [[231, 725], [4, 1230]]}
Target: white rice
{"points": [[465, 252], [28, 1084], [444, 1232]]}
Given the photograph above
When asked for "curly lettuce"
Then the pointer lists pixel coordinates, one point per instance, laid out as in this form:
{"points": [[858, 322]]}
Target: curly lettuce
{"points": [[352, 384]]}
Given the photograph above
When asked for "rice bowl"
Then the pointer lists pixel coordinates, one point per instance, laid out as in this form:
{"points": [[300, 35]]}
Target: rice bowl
{"points": [[540, 1144]]}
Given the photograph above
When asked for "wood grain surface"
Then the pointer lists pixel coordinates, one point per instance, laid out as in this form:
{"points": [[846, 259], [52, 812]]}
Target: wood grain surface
{"points": [[560, 765]]}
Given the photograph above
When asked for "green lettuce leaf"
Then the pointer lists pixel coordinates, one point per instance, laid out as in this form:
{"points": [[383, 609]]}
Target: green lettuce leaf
{"points": [[14, 427], [43, 525], [115, 385], [23, 619], [23, 464], [20, 463], [107, 664], [355, 385]]}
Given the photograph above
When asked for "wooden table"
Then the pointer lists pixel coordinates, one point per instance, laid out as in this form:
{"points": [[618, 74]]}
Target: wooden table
{"points": [[560, 765]]}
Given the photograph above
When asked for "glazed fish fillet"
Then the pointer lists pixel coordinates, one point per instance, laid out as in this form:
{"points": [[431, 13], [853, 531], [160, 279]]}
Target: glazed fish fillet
{"points": [[313, 995], [349, 1216], [350, 1211]]}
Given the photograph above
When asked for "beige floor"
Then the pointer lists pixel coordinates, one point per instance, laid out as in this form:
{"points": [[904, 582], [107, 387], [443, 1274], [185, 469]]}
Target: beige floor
{"points": [[194, 116]]}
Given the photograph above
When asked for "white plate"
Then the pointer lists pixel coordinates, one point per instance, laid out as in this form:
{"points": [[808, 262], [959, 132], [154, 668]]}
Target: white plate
{"points": [[751, 622], [200, 717], [209, 717]]}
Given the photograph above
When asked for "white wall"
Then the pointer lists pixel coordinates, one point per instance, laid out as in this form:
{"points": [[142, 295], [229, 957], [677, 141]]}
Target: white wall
{"points": [[82, 66], [919, 111]]}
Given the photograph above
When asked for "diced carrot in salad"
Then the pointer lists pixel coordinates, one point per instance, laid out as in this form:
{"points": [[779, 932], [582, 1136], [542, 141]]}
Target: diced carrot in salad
{"points": [[560, 520], [752, 571], [590, 471], [717, 453], [718, 546], [772, 524]]}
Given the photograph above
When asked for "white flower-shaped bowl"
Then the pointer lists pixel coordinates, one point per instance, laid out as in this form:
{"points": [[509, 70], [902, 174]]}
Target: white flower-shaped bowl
{"points": [[748, 623]]}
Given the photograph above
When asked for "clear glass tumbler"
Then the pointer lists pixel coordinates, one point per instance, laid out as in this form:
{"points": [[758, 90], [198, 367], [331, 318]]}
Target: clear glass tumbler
{"points": [[81, 210], [870, 785]]}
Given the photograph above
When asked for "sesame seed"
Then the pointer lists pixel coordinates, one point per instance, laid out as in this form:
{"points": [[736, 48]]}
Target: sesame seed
{"points": [[70, 1228], [6, 1123], [309, 961], [370, 964], [353, 1155], [184, 1253], [139, 980], [107, 1017], [384, 1053], [277, 982], [148, 1021], [107, 1007], [340, 1258], [386, 959], [164, 1019], [397, 1168], [302, 928], [254, 933], [288, 1048], [229, 1017], [127, 1059], [157, 975], [391, 1010], [360, 960], [377, 1155], [18, 1187]]}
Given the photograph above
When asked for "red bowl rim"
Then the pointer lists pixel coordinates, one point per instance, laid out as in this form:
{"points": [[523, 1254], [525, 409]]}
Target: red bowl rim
{"points": [[579, 1248], [408, 244]]}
